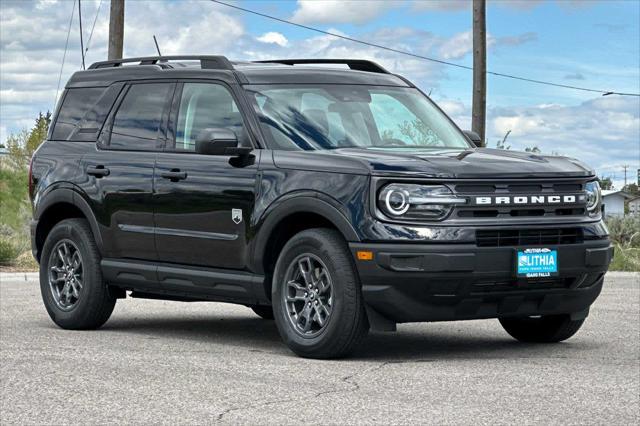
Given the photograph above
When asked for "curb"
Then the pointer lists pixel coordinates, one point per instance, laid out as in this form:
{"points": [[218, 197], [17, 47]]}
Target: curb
{"points": [[18, 276]]}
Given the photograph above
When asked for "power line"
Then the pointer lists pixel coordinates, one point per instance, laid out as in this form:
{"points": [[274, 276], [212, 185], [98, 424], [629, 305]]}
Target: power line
{"points": [[66, 44], [92, 28], [426, 58]]}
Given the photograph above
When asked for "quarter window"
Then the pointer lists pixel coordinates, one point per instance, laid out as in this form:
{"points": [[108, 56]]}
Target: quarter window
{"points": [[205, 106], [137, 123], [77, 102]]}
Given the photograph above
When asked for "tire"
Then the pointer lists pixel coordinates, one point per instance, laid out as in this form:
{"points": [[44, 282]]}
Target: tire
{"points": [[94, 302], [264, 312], [545, 329], [338, 298]]}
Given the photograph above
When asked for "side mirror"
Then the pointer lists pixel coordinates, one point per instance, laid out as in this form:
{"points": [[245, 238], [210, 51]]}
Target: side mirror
{"points": [[219, 141], [474, 138]]}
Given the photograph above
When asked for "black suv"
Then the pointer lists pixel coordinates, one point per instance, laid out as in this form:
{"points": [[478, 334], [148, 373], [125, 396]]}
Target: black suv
{"points": [[333, 198]]}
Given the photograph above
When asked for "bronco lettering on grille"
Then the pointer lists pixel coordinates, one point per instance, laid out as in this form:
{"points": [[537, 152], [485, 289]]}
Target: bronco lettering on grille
{"points": [[530, 199]]}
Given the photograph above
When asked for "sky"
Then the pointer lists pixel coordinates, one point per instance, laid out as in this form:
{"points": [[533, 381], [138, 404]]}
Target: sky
{"points": [[586, 43]]}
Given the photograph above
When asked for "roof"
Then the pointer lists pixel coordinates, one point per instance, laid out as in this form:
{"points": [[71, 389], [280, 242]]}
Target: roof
{"points": [[277, 71], [610, 192]]}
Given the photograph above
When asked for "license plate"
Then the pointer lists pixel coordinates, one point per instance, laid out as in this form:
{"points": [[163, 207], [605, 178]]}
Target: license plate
{"points": [[537, 262]]}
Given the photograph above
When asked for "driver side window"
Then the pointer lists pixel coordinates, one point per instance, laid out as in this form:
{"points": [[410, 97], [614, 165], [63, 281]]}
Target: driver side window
{"points": [[205, 106]]}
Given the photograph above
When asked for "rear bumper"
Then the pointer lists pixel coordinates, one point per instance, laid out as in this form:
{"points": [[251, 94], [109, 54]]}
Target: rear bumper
{"points": [[408, 283]]}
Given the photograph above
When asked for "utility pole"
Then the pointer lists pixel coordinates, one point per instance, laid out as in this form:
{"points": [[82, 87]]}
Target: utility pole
{"points": [[625, 167], [478, 120], [116, 29]]}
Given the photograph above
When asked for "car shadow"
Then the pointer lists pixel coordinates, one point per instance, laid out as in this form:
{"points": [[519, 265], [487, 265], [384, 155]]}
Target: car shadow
{"points": [[419, 343]]}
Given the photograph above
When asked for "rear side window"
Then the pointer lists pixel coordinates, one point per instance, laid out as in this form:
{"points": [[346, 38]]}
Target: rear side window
{"points": [[136, 125], [76, 103]]}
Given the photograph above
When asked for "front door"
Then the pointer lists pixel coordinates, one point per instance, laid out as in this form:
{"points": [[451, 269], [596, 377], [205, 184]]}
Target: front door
{"points": [[203, 203]]}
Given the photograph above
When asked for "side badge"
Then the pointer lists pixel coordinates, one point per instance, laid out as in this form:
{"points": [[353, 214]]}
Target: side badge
{"points": [[236, 215]]}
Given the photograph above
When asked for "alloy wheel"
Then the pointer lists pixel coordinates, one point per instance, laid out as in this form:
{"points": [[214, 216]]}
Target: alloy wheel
{"points": [[308, 295], [66, 274]]}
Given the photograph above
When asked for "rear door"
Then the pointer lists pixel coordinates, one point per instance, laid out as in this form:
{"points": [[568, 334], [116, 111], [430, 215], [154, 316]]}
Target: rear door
{"points": [[203, 203], [119, 172]]}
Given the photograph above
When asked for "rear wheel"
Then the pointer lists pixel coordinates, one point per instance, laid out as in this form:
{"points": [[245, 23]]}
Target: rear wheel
{"points": [[316, 296], [71, 284], [544, 329]]}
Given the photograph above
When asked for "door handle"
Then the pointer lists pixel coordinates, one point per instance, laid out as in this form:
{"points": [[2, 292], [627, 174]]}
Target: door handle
{"points": [[98, 171], [174, 175]]}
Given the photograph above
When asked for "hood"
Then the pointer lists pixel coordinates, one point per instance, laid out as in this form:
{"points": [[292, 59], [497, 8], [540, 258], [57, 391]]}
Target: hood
{"points": [[449, 163]]}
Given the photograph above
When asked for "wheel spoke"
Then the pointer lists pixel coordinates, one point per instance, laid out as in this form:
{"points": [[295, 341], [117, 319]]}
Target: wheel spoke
{"points": [[75, 261], [64, 293], [304, 265], [74, 290], [324, 282], [318, 318], [306, 314], [62, 255]]}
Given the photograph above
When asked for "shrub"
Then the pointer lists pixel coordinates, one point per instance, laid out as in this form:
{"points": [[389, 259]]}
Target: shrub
{"points": [[625, 234], [625, 230], [9, 251]]}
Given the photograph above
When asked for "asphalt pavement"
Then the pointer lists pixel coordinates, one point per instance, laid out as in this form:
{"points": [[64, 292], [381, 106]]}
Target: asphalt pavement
{"points": [[194, 363]]}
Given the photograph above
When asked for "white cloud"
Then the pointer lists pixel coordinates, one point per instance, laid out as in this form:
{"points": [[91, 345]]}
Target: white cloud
{"points": [[461, 5], [458, 46], [340, 11], [597, 131], [274, 37], [441, 5], [461, 44]]}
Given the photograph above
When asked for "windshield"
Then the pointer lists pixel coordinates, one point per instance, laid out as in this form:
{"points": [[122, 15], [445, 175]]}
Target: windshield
{"points": [[326, 116]]}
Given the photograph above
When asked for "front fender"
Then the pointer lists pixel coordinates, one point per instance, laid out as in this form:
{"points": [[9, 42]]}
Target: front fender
{"points": [[298, 202]]}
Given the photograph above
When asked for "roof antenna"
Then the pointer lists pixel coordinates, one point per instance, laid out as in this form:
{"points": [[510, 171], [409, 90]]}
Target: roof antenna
{"points": [[156, 42], [81, 41]]}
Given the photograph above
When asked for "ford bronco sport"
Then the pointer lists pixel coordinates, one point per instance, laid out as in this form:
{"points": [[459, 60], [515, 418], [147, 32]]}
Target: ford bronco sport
{"points": [[331, 195]]}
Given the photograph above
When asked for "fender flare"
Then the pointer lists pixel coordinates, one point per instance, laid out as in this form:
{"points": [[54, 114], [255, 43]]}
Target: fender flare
{"points": [[68, 194], [309, 202]]}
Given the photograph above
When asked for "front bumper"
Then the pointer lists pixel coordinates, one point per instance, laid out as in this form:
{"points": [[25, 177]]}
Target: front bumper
{"points": [[441, 282]]}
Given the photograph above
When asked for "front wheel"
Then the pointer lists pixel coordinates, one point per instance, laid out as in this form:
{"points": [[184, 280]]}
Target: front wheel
{"points": [[544, 329], [317, 302]]}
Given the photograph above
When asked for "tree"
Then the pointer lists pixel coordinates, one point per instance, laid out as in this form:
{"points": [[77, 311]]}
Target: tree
{"points": [[419, 133], [502, 144], [605, 183], [632, 189], [23, 144]]}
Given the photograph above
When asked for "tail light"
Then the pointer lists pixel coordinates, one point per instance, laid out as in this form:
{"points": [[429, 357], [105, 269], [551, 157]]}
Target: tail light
{"points": [[31, 178]]}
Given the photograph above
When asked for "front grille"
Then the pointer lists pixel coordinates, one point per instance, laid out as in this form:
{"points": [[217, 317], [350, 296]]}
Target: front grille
{"points": [[528, 237], [515, 189]]}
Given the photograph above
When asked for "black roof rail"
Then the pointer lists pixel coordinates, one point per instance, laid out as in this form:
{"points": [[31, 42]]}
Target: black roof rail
{"points": [[206, 62], [354, 64]]}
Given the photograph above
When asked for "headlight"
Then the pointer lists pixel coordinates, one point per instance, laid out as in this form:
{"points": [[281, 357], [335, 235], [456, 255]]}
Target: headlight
{"points": [[418, 202], [593, 196]]}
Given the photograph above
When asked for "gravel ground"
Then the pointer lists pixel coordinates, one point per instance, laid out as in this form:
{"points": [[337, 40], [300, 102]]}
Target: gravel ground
{"points": [[187, 363]]}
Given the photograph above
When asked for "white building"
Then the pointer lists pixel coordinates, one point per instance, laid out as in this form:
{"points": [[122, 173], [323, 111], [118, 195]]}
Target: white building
{"points": [[613, 202], [634, 206]]}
